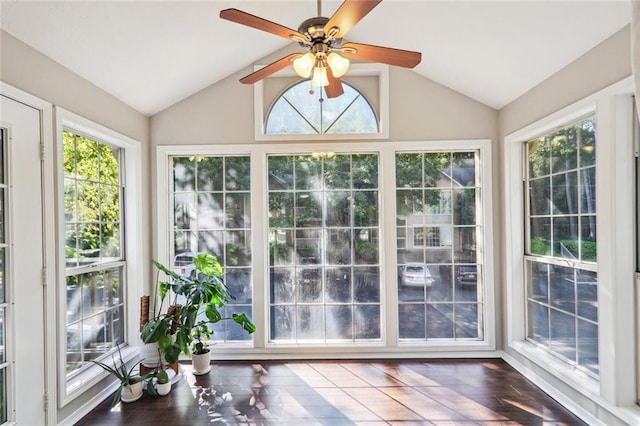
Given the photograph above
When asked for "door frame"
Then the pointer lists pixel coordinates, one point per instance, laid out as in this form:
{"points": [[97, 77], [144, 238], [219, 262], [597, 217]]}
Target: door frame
{"points": [[49, 237]]}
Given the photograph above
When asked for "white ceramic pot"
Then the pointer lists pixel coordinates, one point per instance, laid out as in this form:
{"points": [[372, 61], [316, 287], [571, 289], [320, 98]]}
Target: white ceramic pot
{"points": [[163, 388], [132, 392], [201, 363], [151, 357]]}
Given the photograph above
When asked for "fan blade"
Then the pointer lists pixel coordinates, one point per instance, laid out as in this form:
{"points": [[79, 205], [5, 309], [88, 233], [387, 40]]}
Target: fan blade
{"points": [[269, 69], [334, 89], [385, 55], [349, 14], [244, 18]]}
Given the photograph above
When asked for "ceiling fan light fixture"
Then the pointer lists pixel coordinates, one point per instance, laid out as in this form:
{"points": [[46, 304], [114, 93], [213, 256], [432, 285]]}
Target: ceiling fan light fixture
{"points": [[303, 65], [338, 64], [320, 76]]}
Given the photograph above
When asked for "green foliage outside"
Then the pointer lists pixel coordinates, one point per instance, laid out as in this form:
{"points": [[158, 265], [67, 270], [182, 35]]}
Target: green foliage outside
{"points": [[420, 178], [91, 197], [555, 161], [311, 176], [565, 149], [543, 247]]}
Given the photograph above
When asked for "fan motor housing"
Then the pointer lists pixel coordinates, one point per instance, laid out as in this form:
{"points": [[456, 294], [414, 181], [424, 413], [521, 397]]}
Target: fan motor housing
{"points": [[314, 27]]}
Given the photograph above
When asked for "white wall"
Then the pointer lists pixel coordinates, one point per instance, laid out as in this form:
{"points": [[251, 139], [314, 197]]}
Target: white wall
{"points": [[420, 109], [605, 64]]}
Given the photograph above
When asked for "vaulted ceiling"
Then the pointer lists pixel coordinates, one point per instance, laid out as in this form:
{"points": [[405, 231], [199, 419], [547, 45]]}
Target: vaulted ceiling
{"points": [[152, 54]]}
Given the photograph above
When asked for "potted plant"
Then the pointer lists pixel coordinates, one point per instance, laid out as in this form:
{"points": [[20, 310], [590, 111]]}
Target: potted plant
{"points": [[203, 292], [130, 383], [200, 357], [163, 385], [158, 333]]}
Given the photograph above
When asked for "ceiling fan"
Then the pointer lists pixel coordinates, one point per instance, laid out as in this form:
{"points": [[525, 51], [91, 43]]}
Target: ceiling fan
{"points": [[323, 39]]}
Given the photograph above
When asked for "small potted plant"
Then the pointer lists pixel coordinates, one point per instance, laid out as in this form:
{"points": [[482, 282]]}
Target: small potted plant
{"points": [[163, 385], [200, 356], [131, 384]]}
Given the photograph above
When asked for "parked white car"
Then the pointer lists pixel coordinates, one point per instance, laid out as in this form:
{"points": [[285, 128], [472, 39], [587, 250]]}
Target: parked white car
{"points": [[416, 275]]}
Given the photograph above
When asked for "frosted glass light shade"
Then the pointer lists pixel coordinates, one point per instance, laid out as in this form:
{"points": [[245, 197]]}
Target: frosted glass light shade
{"points": [[338, 64], [303, 65], [319, 77]]}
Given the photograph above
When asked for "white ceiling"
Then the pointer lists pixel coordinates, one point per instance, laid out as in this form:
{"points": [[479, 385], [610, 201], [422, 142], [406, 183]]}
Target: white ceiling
{"points": [[152, 54]]}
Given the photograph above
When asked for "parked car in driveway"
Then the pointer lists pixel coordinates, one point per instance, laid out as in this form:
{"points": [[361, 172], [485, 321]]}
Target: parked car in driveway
{"points": [[184, 264], [467, 274], [416, 275]]}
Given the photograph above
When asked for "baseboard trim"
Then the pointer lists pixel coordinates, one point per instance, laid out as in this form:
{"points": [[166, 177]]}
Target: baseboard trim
{"points": [[87, 407]]}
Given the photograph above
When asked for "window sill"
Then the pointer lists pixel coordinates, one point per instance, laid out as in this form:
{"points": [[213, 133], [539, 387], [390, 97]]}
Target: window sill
{"points": [[568, 374], [92, 375]]}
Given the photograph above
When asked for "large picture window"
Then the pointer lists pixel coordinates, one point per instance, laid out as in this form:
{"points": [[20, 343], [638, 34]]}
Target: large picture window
{"points": [[338, 247], [323, 242], [440, 285], [560, 253], [94, 252], [212, 214]]}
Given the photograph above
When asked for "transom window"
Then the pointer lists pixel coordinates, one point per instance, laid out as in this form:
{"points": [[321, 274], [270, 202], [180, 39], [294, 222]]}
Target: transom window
{"points": [[303, 109], [561, 269]]}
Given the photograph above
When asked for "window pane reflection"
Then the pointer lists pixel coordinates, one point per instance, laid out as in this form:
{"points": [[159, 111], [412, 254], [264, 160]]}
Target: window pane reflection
{"points": [[562, 300], [324, 227], [439, 277]]}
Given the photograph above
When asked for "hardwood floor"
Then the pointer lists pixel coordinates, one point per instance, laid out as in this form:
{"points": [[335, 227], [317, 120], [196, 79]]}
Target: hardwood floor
{"points": [[416, 392]]}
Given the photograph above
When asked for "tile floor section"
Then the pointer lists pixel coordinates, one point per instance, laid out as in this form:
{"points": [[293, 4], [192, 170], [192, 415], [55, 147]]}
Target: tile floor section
{"points": [[424, 392]]}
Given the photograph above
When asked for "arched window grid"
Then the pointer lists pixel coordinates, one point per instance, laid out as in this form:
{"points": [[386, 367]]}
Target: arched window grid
{"points": [[372, 125]]}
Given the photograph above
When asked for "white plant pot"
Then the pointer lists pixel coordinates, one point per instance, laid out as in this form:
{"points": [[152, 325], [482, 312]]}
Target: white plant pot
{"points": [[163, 388], [151, 357], [201, 363], [132, 392]]}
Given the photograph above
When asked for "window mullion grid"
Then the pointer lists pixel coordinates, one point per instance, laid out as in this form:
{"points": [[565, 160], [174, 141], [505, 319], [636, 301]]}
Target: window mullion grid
{"points": [[454, 296], [324, 238]]}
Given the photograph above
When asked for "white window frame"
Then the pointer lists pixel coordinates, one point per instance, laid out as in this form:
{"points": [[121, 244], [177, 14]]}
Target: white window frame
{"points": [[380, 71], [389, 345], [615, 217], [132, 239]]}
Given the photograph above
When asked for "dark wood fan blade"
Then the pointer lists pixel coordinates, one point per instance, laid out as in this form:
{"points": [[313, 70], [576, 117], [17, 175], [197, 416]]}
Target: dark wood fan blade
{"points": [[244, 18], [349, 14], [269, 69], [334, 89], [385, 55]]}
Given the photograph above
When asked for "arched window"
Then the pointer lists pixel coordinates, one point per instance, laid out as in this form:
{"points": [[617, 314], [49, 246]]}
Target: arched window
{"points": [[302, 109]]}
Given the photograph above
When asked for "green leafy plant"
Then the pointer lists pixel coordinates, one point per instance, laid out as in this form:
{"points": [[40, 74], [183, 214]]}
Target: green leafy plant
{"points": [[161, 327], [201, 334], [125, 375], [162, 376], [204, 291]]}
